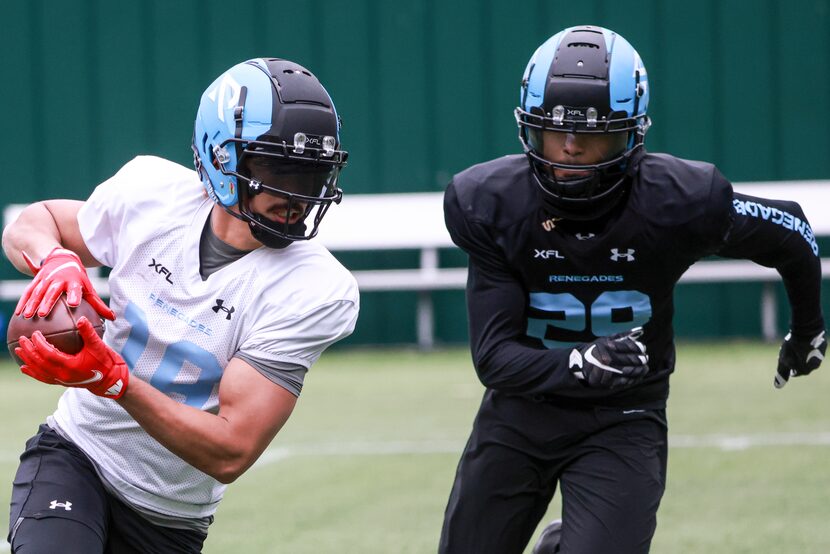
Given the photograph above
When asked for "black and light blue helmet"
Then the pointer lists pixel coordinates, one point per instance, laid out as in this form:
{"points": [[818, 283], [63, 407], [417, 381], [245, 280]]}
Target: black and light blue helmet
{"points": [[275, 111], [583, 80]]}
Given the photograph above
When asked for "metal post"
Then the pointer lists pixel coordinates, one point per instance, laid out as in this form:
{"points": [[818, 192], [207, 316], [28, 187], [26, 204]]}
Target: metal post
{"points": [[769, 309], [426, 330]]}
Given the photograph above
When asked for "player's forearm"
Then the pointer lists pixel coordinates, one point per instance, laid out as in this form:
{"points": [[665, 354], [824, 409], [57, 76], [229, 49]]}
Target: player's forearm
{"points": [[775, 233], [513, 367], [204, 440], [34, 232], [803, 285]]}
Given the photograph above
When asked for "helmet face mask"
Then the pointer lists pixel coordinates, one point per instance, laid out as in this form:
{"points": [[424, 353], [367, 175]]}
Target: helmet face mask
{"points": [[302, 189], [267, 126], [583, 81]]}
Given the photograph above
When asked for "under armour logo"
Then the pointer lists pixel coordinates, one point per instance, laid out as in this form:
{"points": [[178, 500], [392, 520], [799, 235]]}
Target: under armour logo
{"points": [[586, 236], [219, 306], [628, 255], [54, 505]]}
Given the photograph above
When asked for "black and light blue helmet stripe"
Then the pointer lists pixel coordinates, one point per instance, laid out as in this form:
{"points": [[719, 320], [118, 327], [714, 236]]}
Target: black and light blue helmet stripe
{"points": [[627, 79], [217, 121], [275, 112]]}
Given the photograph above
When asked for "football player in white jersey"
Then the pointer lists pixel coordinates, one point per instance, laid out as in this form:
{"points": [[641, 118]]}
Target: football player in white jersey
{"points": [[218, 306]]}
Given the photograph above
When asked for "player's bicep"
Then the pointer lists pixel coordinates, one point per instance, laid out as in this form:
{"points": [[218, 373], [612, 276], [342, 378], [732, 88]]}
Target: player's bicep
{"points": [[255, 407], [496, 309], [65, 215], [39, 226], [769, 232]]}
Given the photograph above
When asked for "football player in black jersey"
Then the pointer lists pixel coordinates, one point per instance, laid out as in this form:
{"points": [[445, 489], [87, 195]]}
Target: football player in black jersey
{"points": [[574, 251]]}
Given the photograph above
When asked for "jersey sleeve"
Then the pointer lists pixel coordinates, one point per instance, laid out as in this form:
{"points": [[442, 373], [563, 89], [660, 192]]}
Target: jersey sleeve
{"points": [[710, 217], [496, 302], [300, 339], [776, 234], [102, 218], [288, 375], [120, 209]]}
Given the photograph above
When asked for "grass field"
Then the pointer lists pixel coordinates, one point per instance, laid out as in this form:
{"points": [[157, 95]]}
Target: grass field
{"points": [[365, 463]]}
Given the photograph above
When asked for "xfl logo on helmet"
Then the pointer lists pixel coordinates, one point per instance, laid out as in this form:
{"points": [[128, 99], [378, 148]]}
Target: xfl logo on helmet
{"points": [[220, 306]]}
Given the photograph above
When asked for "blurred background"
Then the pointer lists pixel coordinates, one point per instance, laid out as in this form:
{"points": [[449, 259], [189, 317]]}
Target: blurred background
{"points": [[425, 88]]}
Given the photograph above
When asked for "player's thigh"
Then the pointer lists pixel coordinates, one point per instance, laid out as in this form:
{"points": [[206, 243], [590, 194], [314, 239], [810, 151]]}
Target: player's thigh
{"points": [[499, 495], [56, 495], [611, 492], [131, 533], [54, 534]]}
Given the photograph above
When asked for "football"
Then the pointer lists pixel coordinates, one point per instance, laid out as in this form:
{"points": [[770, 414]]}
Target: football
{"points": [[59, 327]]}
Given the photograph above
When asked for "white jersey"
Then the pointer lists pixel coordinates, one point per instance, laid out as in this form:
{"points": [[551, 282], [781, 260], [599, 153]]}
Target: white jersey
{"points": [[178, 332]]}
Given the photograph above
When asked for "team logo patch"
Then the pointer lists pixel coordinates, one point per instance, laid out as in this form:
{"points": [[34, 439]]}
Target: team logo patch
{"points": [[161, 270], [220, 306], [547, 254], [550, 224]]}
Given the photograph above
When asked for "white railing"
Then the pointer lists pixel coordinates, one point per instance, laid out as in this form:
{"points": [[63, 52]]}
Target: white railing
{"points": [[415, 221]]}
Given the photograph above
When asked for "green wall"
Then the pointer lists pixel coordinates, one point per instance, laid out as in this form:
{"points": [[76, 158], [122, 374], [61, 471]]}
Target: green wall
{"points": [[425, 88]]}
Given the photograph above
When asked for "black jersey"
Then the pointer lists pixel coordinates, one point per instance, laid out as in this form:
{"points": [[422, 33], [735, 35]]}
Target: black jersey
{"points": [[538, 285]]}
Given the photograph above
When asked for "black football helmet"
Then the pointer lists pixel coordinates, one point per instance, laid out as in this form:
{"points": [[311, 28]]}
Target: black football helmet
{"points": [[583, 80]]}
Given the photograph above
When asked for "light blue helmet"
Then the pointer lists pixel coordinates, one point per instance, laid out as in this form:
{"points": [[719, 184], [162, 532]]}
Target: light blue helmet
{"points": [[583, 80], [271, 111]]}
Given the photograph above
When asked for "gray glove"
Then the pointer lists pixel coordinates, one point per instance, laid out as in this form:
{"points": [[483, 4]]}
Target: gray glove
{"points": [[799, 356]]}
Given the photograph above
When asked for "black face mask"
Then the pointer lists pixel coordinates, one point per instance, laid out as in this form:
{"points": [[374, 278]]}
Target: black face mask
{"points": [[270, 239]]}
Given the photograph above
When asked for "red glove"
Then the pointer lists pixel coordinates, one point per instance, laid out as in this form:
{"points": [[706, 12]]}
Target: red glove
{"points": [[96, 367], [61, 271]]}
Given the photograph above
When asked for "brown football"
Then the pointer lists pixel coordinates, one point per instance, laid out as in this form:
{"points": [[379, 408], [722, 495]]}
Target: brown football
{"points": [[59, 327]]}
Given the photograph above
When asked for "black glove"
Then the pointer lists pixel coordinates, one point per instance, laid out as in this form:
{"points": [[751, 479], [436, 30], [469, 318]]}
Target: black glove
{"points": [[609, 362], [799, 356]]}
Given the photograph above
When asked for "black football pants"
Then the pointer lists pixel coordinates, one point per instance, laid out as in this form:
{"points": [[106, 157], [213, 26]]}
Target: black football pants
{"points": [[610, 465], [59, 505]]}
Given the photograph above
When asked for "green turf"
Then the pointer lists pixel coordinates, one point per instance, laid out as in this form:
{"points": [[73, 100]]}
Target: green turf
{"points": [[366, 461]]}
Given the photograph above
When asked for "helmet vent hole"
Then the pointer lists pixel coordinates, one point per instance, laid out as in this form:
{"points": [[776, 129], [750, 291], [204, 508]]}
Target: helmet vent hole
{"points": [[288, 71], [306, 73], [583, 45]]}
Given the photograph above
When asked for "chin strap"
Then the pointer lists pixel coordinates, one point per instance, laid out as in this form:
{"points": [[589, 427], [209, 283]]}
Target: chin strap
{"points": [[269, 239], [259, 228]]}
